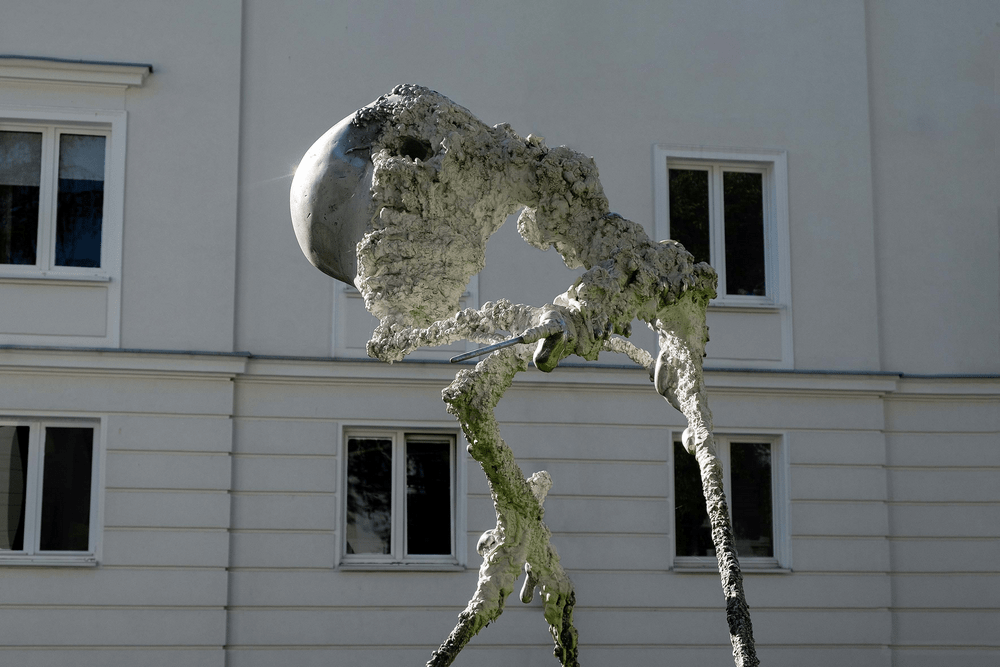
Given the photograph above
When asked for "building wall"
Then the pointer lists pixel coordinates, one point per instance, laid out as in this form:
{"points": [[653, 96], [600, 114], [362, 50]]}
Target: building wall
{"points": [[223, 407]]}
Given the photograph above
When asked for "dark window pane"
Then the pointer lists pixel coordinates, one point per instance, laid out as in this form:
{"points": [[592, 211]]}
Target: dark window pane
{"points": [[694, 531], [369, 496], [428, 498], [750, 472], [744, 203], [13, 485], [81, 200], [689, 211], [66, 476], [20, 175]]}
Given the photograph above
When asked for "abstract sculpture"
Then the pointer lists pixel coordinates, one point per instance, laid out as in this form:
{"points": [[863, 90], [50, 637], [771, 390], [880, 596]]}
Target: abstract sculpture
{"points": [[399, 200]]}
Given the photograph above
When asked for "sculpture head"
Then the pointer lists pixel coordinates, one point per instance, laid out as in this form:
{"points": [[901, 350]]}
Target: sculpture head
{"points": [[400, 198]]}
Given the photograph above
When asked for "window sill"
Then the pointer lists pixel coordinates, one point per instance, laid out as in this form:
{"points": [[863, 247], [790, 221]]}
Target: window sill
{"points": [[716, 306], [48, 561], [401, 567], [52, 276]]}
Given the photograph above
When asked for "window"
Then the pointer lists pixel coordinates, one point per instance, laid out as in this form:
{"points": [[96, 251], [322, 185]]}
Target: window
{"points": [[754, 490], [62, 199], [728, 209], [400, 500], [52, 196], [48, 482]]}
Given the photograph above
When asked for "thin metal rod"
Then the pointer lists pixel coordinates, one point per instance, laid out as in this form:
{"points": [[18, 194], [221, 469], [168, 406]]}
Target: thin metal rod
{"points": [[486, 350]]}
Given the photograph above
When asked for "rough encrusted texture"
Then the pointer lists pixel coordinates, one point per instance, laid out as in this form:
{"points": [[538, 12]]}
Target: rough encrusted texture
{"points": [[443, 182], [520, 540]]}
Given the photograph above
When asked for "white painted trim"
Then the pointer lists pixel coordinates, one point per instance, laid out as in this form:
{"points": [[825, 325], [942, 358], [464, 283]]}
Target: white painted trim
{"points": [[777, 235], [113, 125], [96, 362], [54, 71]]}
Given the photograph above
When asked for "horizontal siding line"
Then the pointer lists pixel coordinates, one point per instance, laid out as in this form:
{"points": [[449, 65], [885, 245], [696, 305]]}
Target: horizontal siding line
{"points": [[950, 433], [526, 609], [271, 418], [602, 462], [482, 646], [240, 492], [935, 610], [872, 466], [946, 647], [943, 468], [831, 536], [170, 452], [169, 415], [944, 503], [240, 455], [130, 607], [165, 529], [664, 428], [594, 533], [163, 568], [944, 538], [667, 429], [238, 568], [829, 573], [140, 489], [167, 489], [570, 496], [112, 647], [837, 501], [126, 528], [306, 531], [950, 574], [943, 573]]}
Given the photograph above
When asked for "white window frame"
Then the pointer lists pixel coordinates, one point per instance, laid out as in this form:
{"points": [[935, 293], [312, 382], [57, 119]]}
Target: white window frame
{"points": [[45, 266], [773, 165], [398, 558], [781, 561], [31, 554]]}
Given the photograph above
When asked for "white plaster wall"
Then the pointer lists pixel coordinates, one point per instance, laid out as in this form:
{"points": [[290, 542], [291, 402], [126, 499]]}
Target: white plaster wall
{"points": [[935, 116], [178, 272]]}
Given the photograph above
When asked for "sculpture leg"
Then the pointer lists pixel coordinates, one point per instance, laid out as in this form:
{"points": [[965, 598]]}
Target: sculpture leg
{"points": [[679, 379], [520, 539]]}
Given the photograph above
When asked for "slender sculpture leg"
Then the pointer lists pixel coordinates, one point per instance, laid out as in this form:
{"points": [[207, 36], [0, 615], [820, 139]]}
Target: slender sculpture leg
{"points": [[679, 379], [521, 540]]}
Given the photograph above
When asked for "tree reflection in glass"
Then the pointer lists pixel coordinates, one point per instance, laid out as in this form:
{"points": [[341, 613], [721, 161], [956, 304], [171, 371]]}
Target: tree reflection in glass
{"points": [[13, 486], [369, 496]]}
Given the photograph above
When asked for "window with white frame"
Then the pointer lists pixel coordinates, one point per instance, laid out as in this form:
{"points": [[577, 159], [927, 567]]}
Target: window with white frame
{"points": [[48, 490], [52, 197], [753, 482], [728, 208], [400, 498], [62, 198]]}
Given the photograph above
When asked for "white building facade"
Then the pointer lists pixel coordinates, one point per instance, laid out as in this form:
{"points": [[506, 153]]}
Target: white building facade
{"points": [[180, 389]]}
